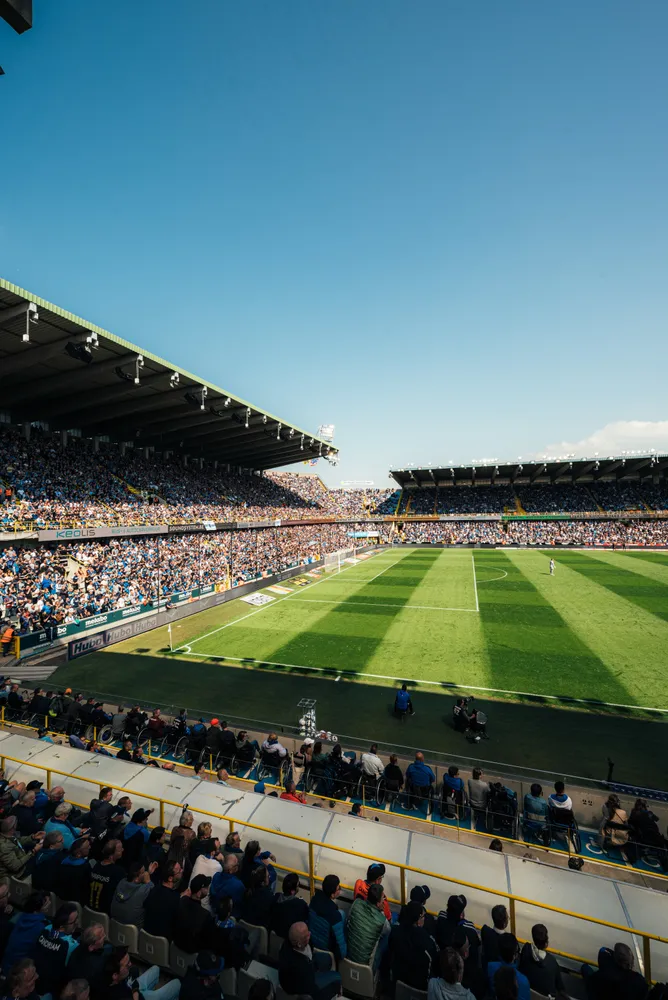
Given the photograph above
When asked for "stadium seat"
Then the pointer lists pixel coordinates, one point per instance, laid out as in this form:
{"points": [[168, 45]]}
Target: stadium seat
{"points": [[275, 945], [180, 961], [89, 917], [229, 982], [124, 936], [404, 992], [361, 980], [153, 950], [254, 970], [259, 938], [19, 890]]}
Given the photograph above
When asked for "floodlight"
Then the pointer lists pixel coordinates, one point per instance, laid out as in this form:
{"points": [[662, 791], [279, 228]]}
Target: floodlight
{"points": [[174, 379], [301, 446], [228, 401], [278, 431], [80, 352], [248, 415], [33, 315]]}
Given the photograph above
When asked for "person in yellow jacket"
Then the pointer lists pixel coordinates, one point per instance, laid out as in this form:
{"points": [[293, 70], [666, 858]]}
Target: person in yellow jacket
{"points": [[6, 639]]}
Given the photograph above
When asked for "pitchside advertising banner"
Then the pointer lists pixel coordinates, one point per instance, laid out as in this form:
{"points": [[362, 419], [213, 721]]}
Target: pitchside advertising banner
{"points": [[111, 531]]}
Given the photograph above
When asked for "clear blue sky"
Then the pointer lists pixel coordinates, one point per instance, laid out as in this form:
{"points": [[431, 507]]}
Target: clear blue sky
{"points": [[442, 226]]}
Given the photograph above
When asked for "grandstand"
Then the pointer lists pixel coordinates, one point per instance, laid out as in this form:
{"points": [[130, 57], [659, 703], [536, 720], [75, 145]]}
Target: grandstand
{"points": [[152, 550]]}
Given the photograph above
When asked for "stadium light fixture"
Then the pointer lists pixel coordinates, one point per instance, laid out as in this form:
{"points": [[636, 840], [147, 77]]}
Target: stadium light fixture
{"points": [[27, 309], [228, 402], [174, 380], [278, 431], [301, 446], [248, 415], [264, 418]]}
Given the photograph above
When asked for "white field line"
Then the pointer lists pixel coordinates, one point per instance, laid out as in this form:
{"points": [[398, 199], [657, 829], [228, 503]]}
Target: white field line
{"points": [[504, 573], [274, 604], [461, 687], [374, 604], [475, 584]]}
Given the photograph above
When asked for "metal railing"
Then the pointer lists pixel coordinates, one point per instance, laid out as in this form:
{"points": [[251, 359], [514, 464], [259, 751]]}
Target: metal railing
{"points": [[512, 898]]}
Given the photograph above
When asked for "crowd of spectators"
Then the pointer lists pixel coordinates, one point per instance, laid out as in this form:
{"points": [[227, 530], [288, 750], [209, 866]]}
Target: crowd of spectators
{"points": [[62, 584], [604, 533]]}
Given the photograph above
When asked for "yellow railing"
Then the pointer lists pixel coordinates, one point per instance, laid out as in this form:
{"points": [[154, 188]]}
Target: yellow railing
{"points": [[512, 898]]}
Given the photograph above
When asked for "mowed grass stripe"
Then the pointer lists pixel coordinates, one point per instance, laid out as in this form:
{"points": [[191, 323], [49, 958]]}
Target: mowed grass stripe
{"points": [[656, 571], [650, 595], [349, 634], [628, 640], [442, 647], [531, 646]]}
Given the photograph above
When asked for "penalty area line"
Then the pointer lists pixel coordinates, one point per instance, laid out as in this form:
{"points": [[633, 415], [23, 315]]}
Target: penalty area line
{"points": [[418, 682]]}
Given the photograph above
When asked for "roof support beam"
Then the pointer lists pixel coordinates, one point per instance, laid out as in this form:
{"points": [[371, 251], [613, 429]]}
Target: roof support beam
{"points": [[53, 385], [37, 355], [561, 471], [539, 471]]}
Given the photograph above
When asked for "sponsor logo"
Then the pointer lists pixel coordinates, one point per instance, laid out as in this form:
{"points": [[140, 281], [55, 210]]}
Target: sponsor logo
{"points": [[258, 599], [127, 612], [275, 589], [75, 533], [82, 646], [97, 620]]}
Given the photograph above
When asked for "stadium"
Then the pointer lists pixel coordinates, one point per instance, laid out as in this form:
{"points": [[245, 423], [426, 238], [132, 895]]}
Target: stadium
{"points": [[265, 738], [147, 541]]}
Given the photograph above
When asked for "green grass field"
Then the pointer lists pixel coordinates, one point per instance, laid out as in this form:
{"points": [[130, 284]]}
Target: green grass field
{"points": [[493, 622]]}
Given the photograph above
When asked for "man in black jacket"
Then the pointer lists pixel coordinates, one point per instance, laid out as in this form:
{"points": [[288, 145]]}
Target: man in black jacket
{"points": [[289, 908], [105, 876], [88, 959], [52, 949], [490, 935], [194, 927], [541, 969], [161, 905], [47, 862], [299, 973], [412, 950], [615, 978]]}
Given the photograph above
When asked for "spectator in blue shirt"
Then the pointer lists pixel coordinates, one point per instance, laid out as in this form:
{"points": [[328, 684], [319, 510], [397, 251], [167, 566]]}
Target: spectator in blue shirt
{"points": [[403, 701], [536, 813], [508, 950], [420, 777]]}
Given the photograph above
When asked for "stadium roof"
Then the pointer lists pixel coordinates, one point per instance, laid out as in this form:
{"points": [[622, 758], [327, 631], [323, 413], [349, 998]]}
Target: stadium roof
{"points": [[566, 469], [75, 375]]}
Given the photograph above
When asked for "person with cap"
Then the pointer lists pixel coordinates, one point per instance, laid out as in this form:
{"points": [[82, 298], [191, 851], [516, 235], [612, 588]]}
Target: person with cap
{"points": [[195, 926], [413, 951], [127, 906], [17, 854], [135, 836], [41, 797], [73, 873], [420, 779], [53, 949], [508, 952], [454, 917], [375, 874], [105, 876], [213, 742], [302, 973], [201, 981], [227, 883], [420, 894], [367, 927], [326, 920]]}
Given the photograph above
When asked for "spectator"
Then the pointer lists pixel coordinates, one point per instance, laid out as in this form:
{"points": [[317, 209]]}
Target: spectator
{"points": [[27, 928], [613, 831], [88, 959], [199, 845], [412, 950], [419, 778], [402, 701], [76, 989], [536, 813], [21, 980], [161, 905], [222, 775], [326, 920], [135, 836], [508, 958], [101, 812], [302, 973], [194, 927], [26, 814], [74, 873], [448, 985], [184, 829], [6, 916], [478, 796], [367, 926], [155, 849], [60, 822], [253, 857], [53, 949], [118, 987], [209, 863], [232, 844], [47, 862], [291, 795], [506, 985], [125, 753], [17, 854], [272, 746], [453, 790], [615, 978], [645, 831], [258, 901], [541, 969], [559, 800], [375, 874], [394, 777], [289, 908], [474, 978], [105, 876], [56, 798], [201, 981], [127, 905], [356, 809], [228, 884], [371, 764], [453, 918], [490, 935]]}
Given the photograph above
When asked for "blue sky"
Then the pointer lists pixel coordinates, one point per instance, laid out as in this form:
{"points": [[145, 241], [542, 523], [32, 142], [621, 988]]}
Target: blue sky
{"points": [[442, 226]]}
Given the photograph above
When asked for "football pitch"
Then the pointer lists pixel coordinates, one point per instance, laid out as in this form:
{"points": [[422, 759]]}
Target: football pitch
{"points": [[493, 622]]}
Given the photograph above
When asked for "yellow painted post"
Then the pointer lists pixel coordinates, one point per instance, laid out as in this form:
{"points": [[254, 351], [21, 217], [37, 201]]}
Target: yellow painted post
{"points": [[48, 780], [231, 826], [402, 875], [311, 872], [162, 812], [512, 915], [647, 958]]}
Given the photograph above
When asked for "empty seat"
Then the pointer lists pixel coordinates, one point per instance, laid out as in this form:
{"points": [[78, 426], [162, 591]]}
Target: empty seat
{"points": [[404, 992], [124, 935], [275, 945], [153, 950], [180, 961], [358, 979], [90, 917], [259, 938], [19, 890], [228, 982]]}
